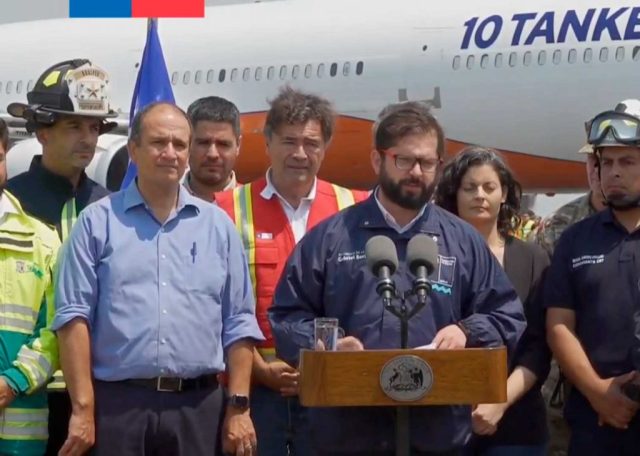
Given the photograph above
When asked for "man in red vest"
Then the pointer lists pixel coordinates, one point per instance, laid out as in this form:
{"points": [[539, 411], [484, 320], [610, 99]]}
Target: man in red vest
{"points": [[272, 214]]}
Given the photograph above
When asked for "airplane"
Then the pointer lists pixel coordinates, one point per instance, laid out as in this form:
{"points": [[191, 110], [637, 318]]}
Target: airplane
{"points": [[519, 76]]}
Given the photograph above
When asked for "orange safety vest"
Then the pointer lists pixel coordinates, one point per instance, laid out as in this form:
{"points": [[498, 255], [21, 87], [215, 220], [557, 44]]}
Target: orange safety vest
{"points": [[268, 238]]}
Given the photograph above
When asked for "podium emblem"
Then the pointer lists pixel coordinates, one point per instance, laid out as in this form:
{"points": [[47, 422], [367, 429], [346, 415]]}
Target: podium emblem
{"points": [[406, 378]]}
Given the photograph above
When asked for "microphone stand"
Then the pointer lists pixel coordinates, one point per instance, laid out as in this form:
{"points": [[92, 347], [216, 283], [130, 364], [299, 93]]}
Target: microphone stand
{"points": [[403, 443]]}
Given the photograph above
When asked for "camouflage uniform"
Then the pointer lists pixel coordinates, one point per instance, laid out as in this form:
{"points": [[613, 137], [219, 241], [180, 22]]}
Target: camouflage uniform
{"points": [[552, 226]]}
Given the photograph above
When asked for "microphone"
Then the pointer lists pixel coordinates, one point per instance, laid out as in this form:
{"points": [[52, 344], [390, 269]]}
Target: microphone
{"points": [[382, 260], [422, 257]]}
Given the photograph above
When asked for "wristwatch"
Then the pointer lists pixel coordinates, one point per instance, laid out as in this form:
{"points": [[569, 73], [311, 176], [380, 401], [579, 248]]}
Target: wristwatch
{"points": [[238, 401]]}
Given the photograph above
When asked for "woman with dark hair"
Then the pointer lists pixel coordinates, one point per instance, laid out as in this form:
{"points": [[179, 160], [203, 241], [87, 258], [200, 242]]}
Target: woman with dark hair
{"points": [[479, 188]]}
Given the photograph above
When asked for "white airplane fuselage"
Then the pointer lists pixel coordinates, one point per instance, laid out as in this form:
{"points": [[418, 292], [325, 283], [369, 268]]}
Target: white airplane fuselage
{"points": [[521, 76]]}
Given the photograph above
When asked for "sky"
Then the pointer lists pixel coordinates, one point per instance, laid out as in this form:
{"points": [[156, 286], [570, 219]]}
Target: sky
{"points": [[30, 10]]}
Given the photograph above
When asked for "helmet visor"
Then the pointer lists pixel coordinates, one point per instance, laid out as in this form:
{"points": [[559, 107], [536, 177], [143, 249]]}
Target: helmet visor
{"points": [[613, 127]]}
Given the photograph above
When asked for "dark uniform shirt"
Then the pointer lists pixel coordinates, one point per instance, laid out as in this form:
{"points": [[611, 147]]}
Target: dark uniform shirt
{"points": [[595, 272], [43, 194], [327, 275]]}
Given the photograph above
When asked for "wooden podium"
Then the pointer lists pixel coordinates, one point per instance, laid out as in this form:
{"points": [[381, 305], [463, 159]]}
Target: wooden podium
{"points": [[402, 378]]}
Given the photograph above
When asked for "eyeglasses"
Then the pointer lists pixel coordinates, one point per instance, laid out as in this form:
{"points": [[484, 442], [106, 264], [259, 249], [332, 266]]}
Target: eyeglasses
{"points": [[623, 127], [407, 163]]}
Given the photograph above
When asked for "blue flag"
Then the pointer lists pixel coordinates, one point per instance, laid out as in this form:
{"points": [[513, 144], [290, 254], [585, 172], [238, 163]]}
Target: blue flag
{"points": [[153, 84]]}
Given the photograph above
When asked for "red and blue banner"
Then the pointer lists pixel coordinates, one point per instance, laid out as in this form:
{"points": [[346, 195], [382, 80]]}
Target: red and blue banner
{"points": [[136, 8]]}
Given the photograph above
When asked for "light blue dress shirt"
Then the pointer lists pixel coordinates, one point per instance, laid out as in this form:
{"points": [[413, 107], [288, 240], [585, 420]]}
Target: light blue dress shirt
{"points": [[160, 299]]}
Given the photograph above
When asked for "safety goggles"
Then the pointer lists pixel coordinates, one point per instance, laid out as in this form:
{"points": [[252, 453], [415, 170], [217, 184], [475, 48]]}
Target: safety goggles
{"points": [[624, 128]]}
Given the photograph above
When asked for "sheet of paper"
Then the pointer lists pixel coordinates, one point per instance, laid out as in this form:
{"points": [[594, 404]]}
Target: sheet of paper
{"points": [[431, 346]]}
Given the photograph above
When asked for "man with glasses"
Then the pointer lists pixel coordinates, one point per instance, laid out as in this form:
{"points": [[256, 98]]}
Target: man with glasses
{"points": [[272, 214], [593, 295], [472, 303]]}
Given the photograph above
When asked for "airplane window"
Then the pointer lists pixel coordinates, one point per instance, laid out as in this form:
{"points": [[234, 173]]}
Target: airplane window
{"points": [[308, 70], [234, 75], [186, 77], [636, 53], [258, 73], [359, 67], [321, 70], [9, 87], [333, 70], [222, 75], [588, 55], [346, 68], [456, 62], [246, 73], [270, 72], [30, 85], [498, 60], [295, 71], [470, 61], [557, 56], [19, 87], [526, 60], [604, 54], [573, 56], [210, 76], [542, 57], [513, 59], [484, 61], [620, 54], [283, 72], [175, 77], [198, 77]]}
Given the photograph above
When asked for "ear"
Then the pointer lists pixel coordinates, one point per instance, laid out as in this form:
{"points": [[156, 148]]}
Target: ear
{"points": [[132, 147], [376, 161], [504, 194], [42, 136], [239, 145]]}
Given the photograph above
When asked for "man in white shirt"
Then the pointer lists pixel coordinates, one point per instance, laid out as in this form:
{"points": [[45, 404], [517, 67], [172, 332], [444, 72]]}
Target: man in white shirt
{"points": [[272, 214]]}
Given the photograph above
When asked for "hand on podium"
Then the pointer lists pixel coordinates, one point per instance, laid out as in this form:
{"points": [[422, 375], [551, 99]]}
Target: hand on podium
{"points": [[349, 343], [449, 338]]}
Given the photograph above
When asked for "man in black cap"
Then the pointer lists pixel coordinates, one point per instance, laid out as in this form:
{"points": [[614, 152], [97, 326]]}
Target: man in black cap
{"points": [[67, 109]]}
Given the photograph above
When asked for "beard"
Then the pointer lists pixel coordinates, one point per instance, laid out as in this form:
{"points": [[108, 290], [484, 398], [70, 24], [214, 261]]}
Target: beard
{"points": [[622, 202], [407, 200]]}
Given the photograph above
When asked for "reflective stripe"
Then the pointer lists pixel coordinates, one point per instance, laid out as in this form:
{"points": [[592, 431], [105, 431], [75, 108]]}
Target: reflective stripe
{"points": [[24, 424], [68, 217], [243, 210], [344, 197], [16, 324], [58, 383], [23, 246], [37, 365], [18, 309]]}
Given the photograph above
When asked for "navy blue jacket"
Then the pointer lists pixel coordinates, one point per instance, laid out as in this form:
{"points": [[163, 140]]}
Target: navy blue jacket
{"points": [[327, 275], [43, 194]]}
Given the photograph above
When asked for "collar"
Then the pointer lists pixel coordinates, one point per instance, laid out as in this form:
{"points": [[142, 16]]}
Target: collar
{"points": [[390, 220], [373, 218], [54, 181], [133, 198], [269, 190], [233, 183], [7, 206]]}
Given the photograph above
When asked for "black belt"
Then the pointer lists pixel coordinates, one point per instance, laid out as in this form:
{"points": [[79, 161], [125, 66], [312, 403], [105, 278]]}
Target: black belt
{"points": [[175, 384]]}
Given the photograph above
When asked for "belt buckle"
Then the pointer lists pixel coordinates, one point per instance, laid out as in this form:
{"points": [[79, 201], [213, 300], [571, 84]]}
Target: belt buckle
{"points": [[168, 384]]}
